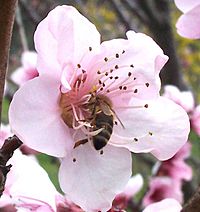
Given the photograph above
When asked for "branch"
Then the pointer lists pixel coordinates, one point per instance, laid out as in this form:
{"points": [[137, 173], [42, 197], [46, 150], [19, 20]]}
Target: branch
{"points": [[120, 15], [193, 204], [22, 32], [7, 11], [6, 152]]}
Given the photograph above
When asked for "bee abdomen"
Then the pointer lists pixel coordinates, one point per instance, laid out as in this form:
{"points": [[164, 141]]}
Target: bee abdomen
{"points": [[103, 121]]}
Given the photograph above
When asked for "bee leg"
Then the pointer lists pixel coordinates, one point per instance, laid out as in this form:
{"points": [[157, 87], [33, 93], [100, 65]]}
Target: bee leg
{"points": [[80, 142]]}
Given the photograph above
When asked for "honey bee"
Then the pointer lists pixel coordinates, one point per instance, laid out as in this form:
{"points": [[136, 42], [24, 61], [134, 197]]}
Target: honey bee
{"points": [[102, 117]]}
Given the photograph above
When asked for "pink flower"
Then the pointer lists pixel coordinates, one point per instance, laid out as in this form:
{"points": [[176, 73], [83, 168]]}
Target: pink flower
{"points": [[195, 120], [175, 167], [133, 186], [188, 24], [83, 85], [165, 205], [28, 186], [28, 70], [161, 188], [183, 98]]}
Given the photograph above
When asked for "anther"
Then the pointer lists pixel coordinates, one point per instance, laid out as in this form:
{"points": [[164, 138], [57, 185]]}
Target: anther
{"points": [[111, 77], [108, 91], [146, 105], [98, 72], [129, 74], [135, 139], [150, 133], [135, 91], [106, 59], [90, 48], [74, 160], [106, 74], [124, 88], [111, 70], [79, 65], [117, 55], [134, 78], [116, 123], [83, 71], [116, 67], [101, 152], [123, 51], [101, 89], [120, 87], [100, 82], [132, 66], [116, 77], [147, 84], [104, 84]]}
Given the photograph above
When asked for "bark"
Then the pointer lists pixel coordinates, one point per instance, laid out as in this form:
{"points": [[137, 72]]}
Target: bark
{"points": [[7, 13]]}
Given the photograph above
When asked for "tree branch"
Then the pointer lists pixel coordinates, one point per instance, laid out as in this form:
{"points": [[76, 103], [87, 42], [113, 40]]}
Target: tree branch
{"points": [[7, 11], [6, 152], [193, 204]]}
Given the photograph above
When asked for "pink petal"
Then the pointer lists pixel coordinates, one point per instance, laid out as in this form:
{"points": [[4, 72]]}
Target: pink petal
{"points": [[165, 205], [133, 186], [35, 117], [91, 179], [195, 120], [29, 59], [161, 129], [183, 98], [188, 24], [186, 5], [64, 36]]}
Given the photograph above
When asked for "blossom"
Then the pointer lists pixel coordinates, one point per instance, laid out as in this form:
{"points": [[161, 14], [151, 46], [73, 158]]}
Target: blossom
{"points": [[176, 167], [161, 188], [95, 103], [165, 205], [188, 25], [28, 69], [195, 120], [28, 187], [183, 98]]}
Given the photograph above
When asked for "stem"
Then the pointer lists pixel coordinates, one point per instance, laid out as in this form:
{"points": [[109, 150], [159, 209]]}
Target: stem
{"points": [[7, 11]]}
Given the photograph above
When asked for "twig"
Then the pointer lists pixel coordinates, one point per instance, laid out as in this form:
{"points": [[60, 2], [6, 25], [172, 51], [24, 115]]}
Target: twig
{"points": [[6, 152], [21, 29], [7, 11], [193, 204]]}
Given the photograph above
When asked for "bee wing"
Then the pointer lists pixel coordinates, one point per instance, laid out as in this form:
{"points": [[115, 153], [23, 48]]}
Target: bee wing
{"points": [[109, 111]]}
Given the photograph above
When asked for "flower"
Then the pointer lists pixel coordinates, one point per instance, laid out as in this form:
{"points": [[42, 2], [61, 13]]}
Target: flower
{"points": [[188, 25], [28, 70], [83, 85], [176, 167], [165, 205], [183, 98], [28, 187], [195, 120], [161, 188]]}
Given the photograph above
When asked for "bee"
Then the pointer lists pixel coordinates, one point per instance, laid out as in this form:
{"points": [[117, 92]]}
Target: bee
{"points": [[102, 117]]}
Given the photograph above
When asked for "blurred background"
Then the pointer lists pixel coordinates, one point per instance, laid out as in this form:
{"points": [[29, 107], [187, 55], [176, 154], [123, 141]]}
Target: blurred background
{"points": [[113, 18]]}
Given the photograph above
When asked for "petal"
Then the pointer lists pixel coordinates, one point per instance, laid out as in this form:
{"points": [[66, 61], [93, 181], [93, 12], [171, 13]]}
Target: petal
{"points": [[133, 186], [165, 205], [33, 183], [69, 33], [35, 117], [161, 129], [186, 5], [93, 180], [183, 98], [188, 24], [29, 60]]}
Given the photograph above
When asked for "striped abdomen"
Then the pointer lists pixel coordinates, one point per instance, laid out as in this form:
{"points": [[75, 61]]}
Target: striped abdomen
{"points": [[102, 121]]}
